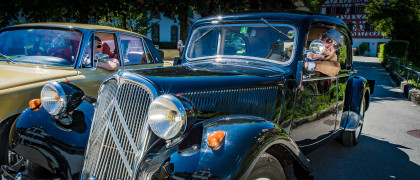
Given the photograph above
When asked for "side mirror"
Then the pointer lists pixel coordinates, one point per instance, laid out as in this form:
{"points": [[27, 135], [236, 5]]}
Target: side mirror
{"points": [[316, 47], [101, 57], [180, 47]]}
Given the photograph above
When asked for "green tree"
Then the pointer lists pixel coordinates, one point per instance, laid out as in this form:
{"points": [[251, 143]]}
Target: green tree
{"points": [[180, 8], [125, 14], [398, 20]]}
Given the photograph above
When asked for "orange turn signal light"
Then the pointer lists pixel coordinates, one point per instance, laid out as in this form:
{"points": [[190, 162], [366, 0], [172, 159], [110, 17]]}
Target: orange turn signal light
{"points": [[215, 139], [35, 104]]}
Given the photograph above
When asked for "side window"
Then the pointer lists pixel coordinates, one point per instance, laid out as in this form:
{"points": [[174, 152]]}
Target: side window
{"points": [[103, 44], [107, 44], [333, 57], [132, 50]]}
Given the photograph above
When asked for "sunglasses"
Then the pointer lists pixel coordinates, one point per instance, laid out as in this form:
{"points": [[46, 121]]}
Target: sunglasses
{"points": [[98, 46], [335, 45]]}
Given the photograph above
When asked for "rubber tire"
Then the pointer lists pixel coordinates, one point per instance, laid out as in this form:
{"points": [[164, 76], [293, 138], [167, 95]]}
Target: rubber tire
{"points": [[350, 138], [4, 140], [267, 167]]}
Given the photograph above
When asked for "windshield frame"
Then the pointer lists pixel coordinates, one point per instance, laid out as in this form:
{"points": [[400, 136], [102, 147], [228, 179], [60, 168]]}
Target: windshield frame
{"points": [[191, 41]]}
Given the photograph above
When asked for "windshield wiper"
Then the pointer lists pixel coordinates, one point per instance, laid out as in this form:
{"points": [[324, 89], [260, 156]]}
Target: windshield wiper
{"points": [[272, 27], [204, 35], [8, 59]]}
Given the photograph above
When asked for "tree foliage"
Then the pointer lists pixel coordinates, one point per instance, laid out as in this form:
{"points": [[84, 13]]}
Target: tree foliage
{"points": [[179, 8], [398, 20], [125, 14]]}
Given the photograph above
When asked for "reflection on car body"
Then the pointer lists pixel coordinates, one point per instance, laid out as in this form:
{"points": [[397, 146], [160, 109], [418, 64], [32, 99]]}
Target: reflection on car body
{"points": [[240, 101]]}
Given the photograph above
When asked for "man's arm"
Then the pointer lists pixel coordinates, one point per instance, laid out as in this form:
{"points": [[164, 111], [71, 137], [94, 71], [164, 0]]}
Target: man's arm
{"points": [[111, 65], [330, 68]]}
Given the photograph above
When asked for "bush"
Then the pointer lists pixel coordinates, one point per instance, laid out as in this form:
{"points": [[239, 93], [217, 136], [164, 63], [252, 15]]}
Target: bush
{"points": [[382, 55], [166, 45], [397, 48], [362, 48]]}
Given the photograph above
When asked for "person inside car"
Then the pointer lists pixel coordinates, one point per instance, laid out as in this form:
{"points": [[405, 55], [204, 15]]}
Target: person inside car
{"points": [[326, 63], [110, 64]]}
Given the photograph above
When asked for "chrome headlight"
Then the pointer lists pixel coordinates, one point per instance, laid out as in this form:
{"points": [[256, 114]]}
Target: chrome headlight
{"points": [[59, 98], [168, 117], [53, 98]]}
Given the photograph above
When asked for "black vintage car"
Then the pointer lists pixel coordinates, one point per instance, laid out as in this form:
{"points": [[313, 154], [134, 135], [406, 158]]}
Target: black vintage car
{"points": [[249, 97]]}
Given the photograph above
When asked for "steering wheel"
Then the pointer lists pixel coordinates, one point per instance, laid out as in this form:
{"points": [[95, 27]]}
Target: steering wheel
{"points": [[285, 57], [55, 54]]}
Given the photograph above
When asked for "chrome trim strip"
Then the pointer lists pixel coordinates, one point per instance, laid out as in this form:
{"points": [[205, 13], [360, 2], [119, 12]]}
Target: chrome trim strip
{"points": [[319, 78]]}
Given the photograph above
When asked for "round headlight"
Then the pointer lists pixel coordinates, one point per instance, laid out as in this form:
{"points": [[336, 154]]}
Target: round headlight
{"points": [[167, 117], [53, 98]]}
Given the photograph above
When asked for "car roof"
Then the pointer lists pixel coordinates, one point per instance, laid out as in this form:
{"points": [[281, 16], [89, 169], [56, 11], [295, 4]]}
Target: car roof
{"points": [[274, 15], [73, 26]]}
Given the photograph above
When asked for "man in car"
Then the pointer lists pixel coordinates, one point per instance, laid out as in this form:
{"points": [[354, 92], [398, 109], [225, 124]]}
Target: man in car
{"points": [[326, 63], [110, 64]]}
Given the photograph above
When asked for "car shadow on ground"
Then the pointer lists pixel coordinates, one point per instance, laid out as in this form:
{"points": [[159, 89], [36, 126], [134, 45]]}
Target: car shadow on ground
{"points": [[372, 158]]}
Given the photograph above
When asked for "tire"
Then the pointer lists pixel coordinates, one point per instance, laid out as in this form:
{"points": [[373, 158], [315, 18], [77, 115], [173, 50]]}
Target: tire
{"points": [[351, 138], [4, 140], [267, 167]]}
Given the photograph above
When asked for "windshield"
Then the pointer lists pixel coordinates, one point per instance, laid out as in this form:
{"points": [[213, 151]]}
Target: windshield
{"points": [[41, 46], [258, 41]]}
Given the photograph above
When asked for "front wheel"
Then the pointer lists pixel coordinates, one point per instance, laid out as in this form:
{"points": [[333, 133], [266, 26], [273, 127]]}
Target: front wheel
{"points": [[267, 167], [351, 138]]}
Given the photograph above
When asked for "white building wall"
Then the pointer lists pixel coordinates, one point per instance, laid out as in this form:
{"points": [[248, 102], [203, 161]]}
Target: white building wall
{"points": [[165, 25], [373, 45]]}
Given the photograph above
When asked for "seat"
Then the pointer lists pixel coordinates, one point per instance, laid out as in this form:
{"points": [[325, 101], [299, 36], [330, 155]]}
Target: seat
{"points": [[107, 50], [135, 58]]}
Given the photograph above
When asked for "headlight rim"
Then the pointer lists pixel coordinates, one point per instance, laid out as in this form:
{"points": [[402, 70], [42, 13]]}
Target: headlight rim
{"points": [[180, 108], [61, 94]]}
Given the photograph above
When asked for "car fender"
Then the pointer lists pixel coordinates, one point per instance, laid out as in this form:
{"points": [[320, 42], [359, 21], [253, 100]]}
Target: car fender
{"points": [[246, 139], [40, 138], [357, 88]]}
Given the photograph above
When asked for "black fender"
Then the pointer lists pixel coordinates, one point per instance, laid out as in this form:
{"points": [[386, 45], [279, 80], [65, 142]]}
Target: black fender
{"points": [[42, 139], [246, 139], [357, 89]]}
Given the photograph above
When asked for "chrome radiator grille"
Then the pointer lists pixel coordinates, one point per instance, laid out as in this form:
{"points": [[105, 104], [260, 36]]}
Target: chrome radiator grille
{"points": [[258, 101], [119, 134]]}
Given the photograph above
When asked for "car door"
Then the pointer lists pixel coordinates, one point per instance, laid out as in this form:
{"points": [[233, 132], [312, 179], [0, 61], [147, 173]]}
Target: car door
{"points": [[89, 77], [319, 101], [138, 53]]}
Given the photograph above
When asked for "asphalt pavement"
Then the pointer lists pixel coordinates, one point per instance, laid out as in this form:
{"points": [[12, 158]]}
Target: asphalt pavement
{"points": [[385, 149]]}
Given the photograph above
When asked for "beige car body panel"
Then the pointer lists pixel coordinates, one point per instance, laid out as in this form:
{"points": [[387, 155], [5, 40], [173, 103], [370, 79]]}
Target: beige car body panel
{"points": [[20, 83]]}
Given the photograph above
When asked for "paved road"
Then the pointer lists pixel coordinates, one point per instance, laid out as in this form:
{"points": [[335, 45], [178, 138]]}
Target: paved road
{"points": [[385, 150]]}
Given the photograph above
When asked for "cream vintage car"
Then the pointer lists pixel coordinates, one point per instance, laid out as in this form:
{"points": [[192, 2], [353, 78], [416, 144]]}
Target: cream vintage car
{"points": [[31, 55]]}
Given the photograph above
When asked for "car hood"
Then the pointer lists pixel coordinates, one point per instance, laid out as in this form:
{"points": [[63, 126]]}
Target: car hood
{"points": [[13, 75], [181, 79]]}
